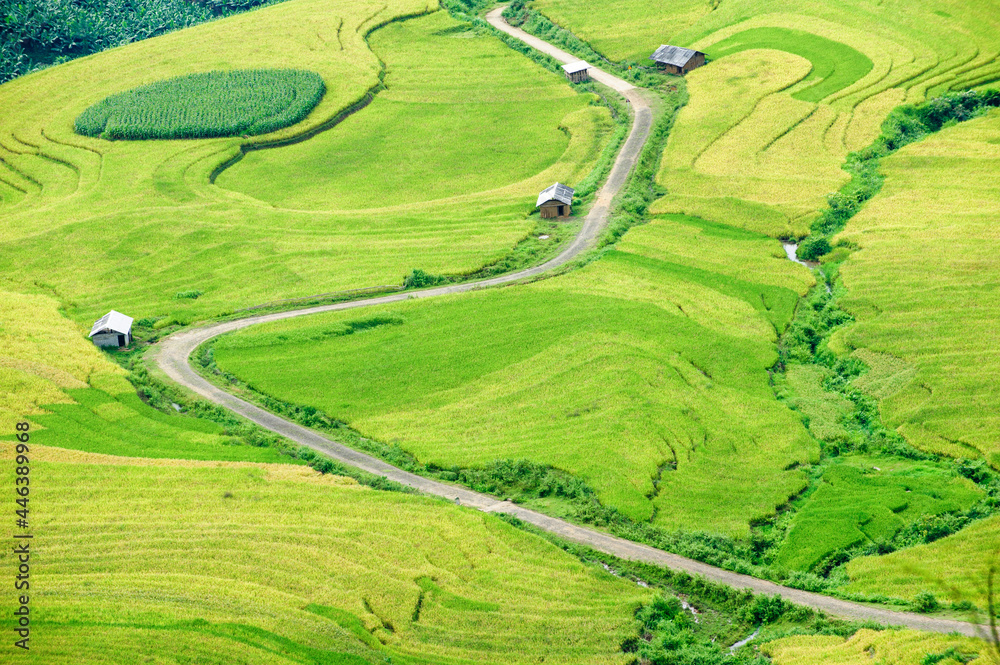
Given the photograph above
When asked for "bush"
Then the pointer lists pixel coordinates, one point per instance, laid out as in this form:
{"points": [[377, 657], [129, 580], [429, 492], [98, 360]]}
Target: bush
{"points": [[925, 601], [419, 279], [192, 295], [813, 248]]}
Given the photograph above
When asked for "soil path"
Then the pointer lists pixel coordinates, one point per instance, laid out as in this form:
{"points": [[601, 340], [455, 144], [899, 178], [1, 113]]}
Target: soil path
{"points": [[173, 352]]}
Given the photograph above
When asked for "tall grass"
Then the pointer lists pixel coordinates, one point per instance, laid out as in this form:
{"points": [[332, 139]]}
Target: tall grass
{"points": [[241, 102]]}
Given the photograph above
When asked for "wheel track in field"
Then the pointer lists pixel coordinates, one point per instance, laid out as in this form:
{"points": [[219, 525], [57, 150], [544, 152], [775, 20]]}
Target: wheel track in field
{"points": [[172, 355]]}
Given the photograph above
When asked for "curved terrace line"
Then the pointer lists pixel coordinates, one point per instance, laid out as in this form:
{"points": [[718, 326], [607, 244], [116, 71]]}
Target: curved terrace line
{"points": [[172, 356]]}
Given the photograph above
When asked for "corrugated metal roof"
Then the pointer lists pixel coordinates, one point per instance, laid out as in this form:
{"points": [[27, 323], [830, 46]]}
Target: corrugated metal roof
{"points": [[557, 192], [114, 321], [677, 56], [574, 67]]}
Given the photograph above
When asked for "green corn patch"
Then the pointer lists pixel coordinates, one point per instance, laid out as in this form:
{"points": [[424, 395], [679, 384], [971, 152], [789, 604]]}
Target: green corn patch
{"points": [[206, 105]]}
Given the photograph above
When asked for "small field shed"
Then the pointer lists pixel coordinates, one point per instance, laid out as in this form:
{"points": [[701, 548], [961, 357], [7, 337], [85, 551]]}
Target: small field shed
{"points": [[677, 59], [555, 201], [577, 72], [112, 329]]}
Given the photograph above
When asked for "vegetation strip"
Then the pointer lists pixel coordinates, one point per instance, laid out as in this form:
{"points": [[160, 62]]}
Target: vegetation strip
{"points": [[174, 352]]}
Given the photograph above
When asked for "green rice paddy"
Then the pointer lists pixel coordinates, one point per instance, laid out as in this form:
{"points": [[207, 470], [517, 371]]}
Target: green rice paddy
{"points": [[902, 647], [225, 563], [921, 288], [867, 500], [835, 66], [447, 106], [762, 141], [954, 569], [130, 224], [644, 373]]}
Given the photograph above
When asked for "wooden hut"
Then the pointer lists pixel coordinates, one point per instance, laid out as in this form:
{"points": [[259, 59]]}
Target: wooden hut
{"points": [[112, 329], [577, 71], [676, 59], [555, 201]]}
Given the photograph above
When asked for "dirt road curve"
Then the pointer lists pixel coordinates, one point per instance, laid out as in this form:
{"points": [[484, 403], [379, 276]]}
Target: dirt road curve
{"points": [[173, 352]]}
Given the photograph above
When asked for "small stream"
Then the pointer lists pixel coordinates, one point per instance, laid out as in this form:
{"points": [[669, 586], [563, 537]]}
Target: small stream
{"points": [[790, 252], [790, 249], [744, 641]]}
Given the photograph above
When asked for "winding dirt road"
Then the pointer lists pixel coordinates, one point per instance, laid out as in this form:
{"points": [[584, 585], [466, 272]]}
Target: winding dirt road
{"points": [[172, 355]]}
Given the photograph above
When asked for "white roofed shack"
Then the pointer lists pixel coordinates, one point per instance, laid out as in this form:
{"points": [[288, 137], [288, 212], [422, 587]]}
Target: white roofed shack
{"points": [[577, 71], [112, 329]]}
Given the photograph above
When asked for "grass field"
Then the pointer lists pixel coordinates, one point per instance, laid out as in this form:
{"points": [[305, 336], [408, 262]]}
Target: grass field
{"points": [[62, 196], [954, 568], [898, 647], [920, 288], [643, 373], [868, 499], [792, 88], [354, 575]]}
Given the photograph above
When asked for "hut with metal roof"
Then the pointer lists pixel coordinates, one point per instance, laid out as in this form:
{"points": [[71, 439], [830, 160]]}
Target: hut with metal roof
{"points": [[577, 71], [555, 201], [677, 59], [112, 329]]}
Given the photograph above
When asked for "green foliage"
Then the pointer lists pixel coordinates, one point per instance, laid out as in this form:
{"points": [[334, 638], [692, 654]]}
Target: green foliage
{"points": [[419, 279], [835, 65], [242, 102], [182, 295], [925, 601], [949, 653], [36, 33]]}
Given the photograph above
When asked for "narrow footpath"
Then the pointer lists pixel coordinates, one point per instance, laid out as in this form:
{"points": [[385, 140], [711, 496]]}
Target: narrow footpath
{"points": [[172, 355]]}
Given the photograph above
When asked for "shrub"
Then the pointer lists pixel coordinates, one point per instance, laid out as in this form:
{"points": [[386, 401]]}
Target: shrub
{"points": [[925, 601], [813, 248], [419, 279], [191, 295]]}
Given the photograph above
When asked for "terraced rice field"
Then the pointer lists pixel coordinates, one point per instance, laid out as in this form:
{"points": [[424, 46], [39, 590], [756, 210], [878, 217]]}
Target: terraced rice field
{"points": [[451, 124], [643, 373], [75, 397], [955, 568], [223, 563], [922, 287], [791, 90], [905, 647], [629, 30], [863, 500], [131, 224]]}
